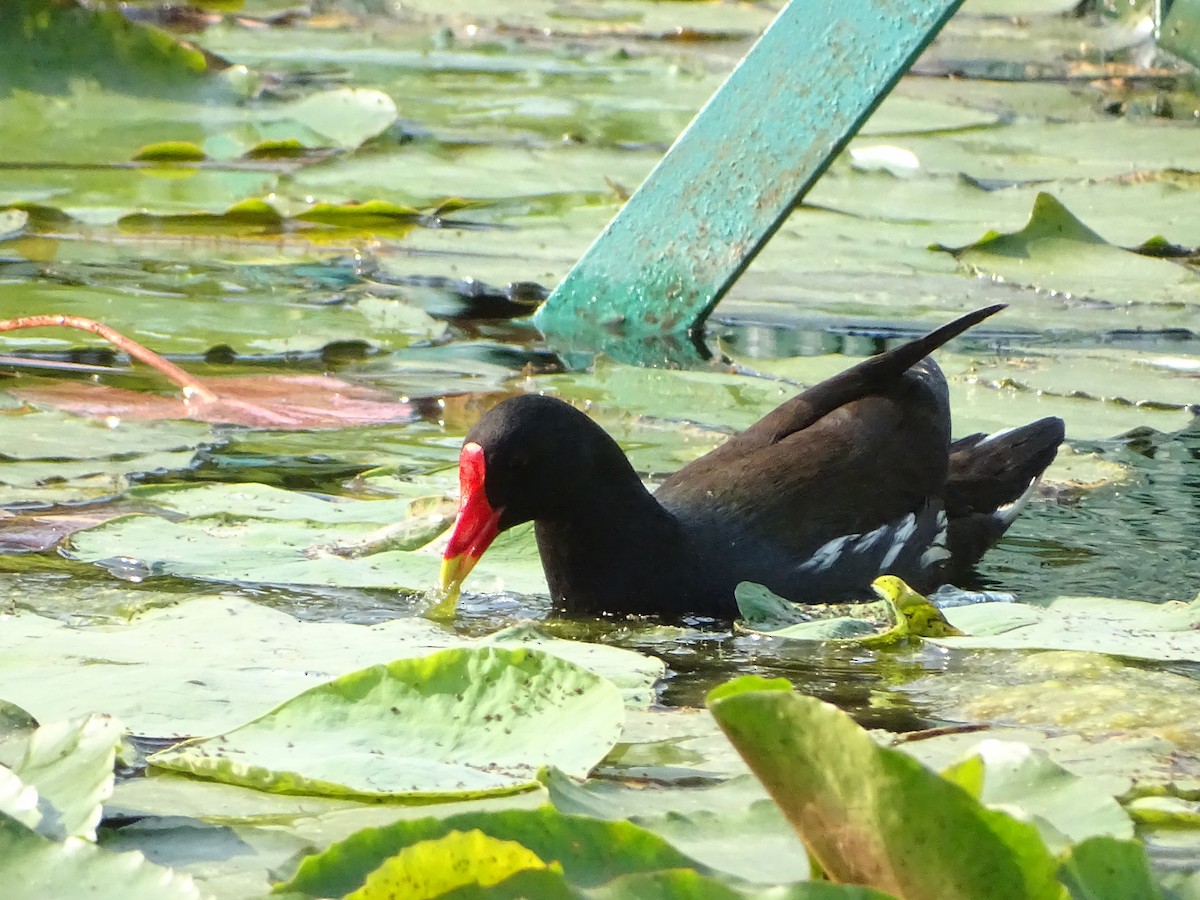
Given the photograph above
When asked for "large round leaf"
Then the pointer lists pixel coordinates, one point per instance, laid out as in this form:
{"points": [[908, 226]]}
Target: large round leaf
{"points": [[455, 723]]}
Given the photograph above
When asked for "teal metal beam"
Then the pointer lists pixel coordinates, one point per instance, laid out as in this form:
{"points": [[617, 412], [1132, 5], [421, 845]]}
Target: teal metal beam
{"points": [[1179, 28], [739, 168]]}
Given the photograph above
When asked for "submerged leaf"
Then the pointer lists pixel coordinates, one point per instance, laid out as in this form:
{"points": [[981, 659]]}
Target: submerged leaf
{"points": [[1093, 695]]}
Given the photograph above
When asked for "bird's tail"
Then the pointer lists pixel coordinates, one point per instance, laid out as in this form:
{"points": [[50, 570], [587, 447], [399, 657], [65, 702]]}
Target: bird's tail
{"points": [[991, 478]]}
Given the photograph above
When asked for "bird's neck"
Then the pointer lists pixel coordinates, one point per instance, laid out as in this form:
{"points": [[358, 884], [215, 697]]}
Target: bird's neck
{"points": [[608, 550]]}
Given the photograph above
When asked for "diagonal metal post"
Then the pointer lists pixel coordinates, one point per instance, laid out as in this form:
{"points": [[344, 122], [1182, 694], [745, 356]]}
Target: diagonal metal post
{"points": [[739, 168]]}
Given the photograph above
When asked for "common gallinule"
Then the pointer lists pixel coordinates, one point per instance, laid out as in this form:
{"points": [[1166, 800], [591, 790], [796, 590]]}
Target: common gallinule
{"points": [[851, 479]]}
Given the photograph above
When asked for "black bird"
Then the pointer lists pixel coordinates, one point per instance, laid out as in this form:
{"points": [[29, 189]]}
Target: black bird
{"points": [[854, 478]]}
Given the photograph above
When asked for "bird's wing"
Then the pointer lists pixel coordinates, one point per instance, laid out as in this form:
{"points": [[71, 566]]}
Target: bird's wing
{"points": [[864, 379], [865, 463]]}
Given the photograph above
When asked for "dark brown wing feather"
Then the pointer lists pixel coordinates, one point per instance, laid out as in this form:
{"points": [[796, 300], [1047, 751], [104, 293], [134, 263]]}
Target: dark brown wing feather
{"points": [[878, 431]]}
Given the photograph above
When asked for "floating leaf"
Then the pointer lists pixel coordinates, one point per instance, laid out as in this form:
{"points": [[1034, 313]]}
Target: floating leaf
{"points": [[18, 800], [248, 217], [373, 214], [70, 764], [1104, 868], [12, 223], [733, 826], [170, 151], [287, 148], [34, 868], [1025, 781], [910, 615], [590, 851], [46, 45], [458, 723], [196, 668], [346, 116], [1056, 251], [1132, 628], [430, 869]]}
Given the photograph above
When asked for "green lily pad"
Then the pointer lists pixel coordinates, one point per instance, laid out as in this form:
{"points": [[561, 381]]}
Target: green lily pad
{"points": [[1056, 251], [51, 435], [16, 726], [1098, 394], [70, 764], [48, 44], [12, 223], [346, 117], [874, 816], [260, 501], [1131, 628], [1104, 868], [18, 800], [457, 723], [905, 614], [1067, 808], [170, 151], [678, 883], [433, 868], [590, 851], [733, 826], [197, 668], [33, 868], [231, 860], [302, 552]]}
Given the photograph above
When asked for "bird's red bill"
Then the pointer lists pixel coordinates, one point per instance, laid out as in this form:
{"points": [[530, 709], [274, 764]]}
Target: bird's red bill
{"points": [[477, 524]]}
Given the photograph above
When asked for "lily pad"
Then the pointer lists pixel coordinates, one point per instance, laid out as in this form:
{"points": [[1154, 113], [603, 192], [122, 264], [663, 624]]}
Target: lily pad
{"points": [[70, 764], [227, 861], [906, 614], [1161, 631], [1026, 782], [48, 44], [433, 868], [18, 800], [457, 723], [590, 851], [1103, 868], [197, 668], [1057, 252], [33, 868], [734, 827], [49, 435]]}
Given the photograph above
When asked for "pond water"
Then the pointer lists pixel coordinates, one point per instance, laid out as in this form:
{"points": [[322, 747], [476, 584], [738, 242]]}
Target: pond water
{"points": [[507, 139]]}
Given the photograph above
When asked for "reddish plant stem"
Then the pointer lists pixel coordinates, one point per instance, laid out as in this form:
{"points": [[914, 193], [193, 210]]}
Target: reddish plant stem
{"points": [[191, 387]]}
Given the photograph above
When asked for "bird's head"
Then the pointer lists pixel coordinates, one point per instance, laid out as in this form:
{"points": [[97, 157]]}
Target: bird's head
{"points": [[527, 458]]}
